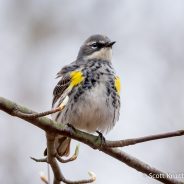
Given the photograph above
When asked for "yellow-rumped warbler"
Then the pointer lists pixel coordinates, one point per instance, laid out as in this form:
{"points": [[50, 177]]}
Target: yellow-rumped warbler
{"points": [[92, 90]]}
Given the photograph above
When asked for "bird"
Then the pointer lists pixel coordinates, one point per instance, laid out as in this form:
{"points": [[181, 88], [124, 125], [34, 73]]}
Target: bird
{"points": [[90, 91]]}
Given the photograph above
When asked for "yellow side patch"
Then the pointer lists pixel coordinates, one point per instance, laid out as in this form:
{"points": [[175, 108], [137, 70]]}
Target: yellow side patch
{"points": [[76, 78], [117, 84]]}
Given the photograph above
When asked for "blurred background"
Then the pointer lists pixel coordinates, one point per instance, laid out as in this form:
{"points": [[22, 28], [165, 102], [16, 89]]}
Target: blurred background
{"points": [[38, 37]]}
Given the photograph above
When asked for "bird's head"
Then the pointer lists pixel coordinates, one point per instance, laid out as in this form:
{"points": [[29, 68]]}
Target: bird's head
{"points": [[96, 47]]}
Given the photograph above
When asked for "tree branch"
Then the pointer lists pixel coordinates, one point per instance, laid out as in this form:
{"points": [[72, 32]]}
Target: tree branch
{"points": [[37, 115], [127, 142], [52, 128], [51, 159]]}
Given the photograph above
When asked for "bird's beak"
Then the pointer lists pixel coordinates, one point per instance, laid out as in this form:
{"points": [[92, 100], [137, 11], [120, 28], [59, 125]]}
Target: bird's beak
{"points": [[110, 44]]}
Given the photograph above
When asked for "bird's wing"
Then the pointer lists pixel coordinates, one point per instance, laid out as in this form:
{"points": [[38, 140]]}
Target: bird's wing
{"points": [[66, 69], [64, 82], [60, 88]]}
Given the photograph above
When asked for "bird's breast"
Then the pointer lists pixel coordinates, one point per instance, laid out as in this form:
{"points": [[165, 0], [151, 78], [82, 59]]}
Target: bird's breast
{"points": [[93, 110]]}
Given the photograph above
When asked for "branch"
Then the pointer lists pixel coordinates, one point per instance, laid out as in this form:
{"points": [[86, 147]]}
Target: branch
{"points": [[52, 127], [127, 142], [37, 115]]}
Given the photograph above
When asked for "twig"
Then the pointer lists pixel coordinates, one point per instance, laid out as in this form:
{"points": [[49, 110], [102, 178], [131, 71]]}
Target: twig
{"points": [[43, 178], [41, 114], [39, 160], [139, 165], [48, 172], [51, 159], [127, 142], [37, 115]]}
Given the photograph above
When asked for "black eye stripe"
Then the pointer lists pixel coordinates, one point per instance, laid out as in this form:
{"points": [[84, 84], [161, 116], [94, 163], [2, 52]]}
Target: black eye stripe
{"points": [[97, 45]]}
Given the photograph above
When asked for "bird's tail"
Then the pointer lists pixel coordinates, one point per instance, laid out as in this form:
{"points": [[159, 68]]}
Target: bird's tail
{"points": [[62, 145]]}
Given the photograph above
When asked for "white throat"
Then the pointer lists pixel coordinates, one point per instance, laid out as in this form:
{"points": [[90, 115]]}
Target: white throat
{"points": [[102, 54]]}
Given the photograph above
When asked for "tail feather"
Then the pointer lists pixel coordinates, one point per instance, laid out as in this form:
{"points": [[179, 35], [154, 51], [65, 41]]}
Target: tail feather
{"points": [[62, 145]]}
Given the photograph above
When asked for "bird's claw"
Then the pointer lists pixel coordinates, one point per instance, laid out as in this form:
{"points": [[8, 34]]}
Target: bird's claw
{"points": [[102, 138], [71, 127]]}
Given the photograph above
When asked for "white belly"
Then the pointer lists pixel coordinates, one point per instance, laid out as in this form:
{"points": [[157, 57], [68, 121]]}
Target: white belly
{"points": [[93, 112]]}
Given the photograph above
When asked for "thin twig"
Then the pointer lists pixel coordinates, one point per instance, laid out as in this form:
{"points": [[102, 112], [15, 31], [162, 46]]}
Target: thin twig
{"points": [[127, 142], [140, 166], [90, 180], [58, 176], [48, 172], [38, 115], [51, 152], [39, 160], [43, 178], [41, 114]]}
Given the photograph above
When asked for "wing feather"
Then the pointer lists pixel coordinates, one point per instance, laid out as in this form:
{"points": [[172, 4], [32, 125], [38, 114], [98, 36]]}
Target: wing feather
{"points": [[64, 82], [61, 86]]}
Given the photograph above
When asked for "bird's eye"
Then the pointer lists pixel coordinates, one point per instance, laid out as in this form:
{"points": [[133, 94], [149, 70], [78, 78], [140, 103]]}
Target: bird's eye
{"points": [[94, 45]]}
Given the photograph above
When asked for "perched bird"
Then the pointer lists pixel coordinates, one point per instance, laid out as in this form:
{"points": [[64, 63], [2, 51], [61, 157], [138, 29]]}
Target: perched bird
{"points": [[92, 91]]}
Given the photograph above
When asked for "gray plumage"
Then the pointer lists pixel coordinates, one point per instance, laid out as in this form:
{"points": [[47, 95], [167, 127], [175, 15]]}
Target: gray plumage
{"points": [[94, 103]]}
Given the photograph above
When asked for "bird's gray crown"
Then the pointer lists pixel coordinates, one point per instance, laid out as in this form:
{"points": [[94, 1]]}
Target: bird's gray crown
{"points": [[97, 38], [96, 47]]}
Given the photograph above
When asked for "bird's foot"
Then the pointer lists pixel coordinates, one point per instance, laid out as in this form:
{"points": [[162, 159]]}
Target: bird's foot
{"points": [[101, 137], [71, 127]]}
